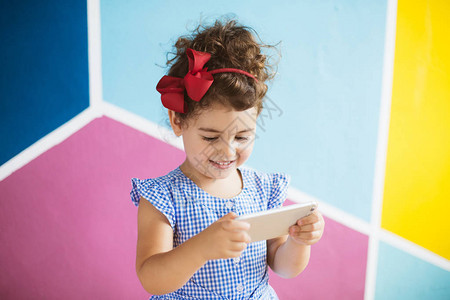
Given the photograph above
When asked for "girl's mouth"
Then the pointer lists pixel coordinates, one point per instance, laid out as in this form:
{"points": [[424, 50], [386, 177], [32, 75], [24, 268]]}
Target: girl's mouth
{"points": [[222, 164]]}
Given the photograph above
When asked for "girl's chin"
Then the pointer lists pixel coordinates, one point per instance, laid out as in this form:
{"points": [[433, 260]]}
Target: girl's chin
{"points": [[213, 171]]}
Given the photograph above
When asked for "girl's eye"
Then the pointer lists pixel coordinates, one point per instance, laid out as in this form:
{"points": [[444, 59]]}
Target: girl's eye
{"points": [[238, 138], [242, 138], [209, 139]]}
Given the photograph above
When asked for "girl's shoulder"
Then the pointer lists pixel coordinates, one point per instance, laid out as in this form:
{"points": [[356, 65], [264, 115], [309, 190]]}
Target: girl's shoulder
{"points": [[272, 186], [160, 186], [164, 180], [263, 178]]}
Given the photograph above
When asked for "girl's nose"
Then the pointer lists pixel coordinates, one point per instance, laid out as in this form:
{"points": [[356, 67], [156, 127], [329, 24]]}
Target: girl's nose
{"points": [[227, 150]]}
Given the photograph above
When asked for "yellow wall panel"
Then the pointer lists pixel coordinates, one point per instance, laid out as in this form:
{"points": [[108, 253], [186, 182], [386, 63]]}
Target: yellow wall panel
{"points": [[416, 202]]}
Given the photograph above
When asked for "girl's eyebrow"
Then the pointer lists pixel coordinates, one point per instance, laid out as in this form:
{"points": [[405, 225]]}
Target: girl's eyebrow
{"points": [[218, 131]]}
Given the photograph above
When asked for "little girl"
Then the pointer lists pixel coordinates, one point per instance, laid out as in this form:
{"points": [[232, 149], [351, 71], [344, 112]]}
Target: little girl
{"points": [[190, 245]]}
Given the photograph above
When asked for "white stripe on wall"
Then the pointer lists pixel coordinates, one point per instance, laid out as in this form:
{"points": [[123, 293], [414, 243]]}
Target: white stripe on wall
{"points": [[381, 151], [95, 55], [47, 142]]}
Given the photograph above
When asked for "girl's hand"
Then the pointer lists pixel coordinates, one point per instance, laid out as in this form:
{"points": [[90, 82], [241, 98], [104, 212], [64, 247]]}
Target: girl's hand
{"points": [[224, 238], [308, 230]]}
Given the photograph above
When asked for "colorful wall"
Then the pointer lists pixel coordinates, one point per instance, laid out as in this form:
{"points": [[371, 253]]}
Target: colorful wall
{"points": [[360, 120]]}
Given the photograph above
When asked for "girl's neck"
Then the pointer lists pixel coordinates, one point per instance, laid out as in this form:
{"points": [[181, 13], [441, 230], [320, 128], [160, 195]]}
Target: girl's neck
{"points": [[228, 187]]}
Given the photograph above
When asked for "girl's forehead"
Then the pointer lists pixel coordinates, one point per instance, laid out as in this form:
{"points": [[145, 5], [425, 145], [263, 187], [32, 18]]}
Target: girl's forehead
{"points": [[220, 119]]}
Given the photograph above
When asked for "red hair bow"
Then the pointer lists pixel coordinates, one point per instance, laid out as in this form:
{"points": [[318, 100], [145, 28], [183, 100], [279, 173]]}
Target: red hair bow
{"points": [[196, 82]]}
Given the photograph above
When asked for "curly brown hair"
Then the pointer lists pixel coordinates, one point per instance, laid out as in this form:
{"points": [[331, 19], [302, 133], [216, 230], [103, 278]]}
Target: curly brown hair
{"points": [[231, 45]]}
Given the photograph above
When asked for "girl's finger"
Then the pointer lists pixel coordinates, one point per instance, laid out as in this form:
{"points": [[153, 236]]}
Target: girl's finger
{"points": [[311, 227], [241, 225], [294, 228], [312, 218], [311, 235], [238, 247], [240, 236], [232, 225]]}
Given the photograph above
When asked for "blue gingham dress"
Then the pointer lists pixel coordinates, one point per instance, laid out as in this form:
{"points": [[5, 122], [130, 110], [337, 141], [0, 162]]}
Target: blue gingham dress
{"points": [[190, 210]]}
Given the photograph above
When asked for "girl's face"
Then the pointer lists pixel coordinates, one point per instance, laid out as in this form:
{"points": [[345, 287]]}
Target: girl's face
{"points": [[218, 141]]}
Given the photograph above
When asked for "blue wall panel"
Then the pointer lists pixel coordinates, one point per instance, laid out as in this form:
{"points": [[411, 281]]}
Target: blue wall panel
{"points": [[43, 67]]}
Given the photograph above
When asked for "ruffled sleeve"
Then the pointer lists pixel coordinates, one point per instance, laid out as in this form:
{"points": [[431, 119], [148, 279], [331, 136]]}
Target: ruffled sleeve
{"points": [[156, 194], [278, 190]]}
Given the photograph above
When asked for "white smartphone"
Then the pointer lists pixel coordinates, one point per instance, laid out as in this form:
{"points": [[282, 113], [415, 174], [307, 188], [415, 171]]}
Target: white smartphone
{"points": [[273, 223]]}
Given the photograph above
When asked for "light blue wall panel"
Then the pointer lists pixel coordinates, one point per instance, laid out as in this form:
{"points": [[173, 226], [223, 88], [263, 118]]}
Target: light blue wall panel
{"points": [[328, 87], [403, 276]]}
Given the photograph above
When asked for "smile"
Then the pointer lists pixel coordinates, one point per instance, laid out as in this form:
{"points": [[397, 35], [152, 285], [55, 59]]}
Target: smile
{"points": [[222, 164]]}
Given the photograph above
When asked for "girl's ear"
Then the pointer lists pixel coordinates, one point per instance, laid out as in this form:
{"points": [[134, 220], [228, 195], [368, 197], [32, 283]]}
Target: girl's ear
{"points": [[175, 123]]}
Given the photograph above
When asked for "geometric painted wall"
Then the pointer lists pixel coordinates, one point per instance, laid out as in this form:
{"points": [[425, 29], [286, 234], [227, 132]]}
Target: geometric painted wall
{"points": [[360, 111]]}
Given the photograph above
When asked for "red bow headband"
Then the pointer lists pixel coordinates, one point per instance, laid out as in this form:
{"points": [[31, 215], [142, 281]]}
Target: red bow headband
{"points": [[196, 82]]}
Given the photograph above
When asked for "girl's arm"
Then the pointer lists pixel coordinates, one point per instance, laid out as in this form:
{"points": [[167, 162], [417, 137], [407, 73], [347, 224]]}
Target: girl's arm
{"points": [[287, 258], [162, 269], [289, 255]]}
